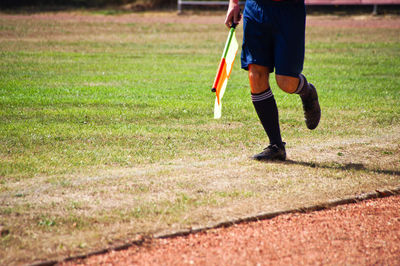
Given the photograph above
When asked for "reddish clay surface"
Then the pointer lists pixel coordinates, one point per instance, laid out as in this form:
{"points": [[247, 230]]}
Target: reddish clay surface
{"points": [[363, 234]]}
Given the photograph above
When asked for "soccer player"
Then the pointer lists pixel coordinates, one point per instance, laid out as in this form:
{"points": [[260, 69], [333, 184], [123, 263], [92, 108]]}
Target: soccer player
{"points": [[274, 38]]}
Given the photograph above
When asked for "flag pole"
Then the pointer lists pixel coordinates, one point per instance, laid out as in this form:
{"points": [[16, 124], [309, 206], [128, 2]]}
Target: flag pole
{"points": [[226, 48]]}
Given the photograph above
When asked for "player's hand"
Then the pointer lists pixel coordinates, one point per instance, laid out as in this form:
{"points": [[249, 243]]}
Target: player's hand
{"points": [[233, 14]]}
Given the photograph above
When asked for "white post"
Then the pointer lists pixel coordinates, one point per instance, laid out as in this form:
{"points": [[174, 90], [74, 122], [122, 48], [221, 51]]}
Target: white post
{"points": [[375, 10], [179, 7]]}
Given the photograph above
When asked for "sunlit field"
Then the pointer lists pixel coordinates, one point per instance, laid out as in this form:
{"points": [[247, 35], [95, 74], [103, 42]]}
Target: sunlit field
{"points": [[107, 129]]}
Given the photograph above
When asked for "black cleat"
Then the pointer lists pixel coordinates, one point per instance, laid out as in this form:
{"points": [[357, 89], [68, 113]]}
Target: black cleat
{"points": [[312, 110], [272, 153]]}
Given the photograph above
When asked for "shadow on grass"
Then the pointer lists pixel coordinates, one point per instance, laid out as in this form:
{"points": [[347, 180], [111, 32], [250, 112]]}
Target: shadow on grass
{"points": [[344, 167]]}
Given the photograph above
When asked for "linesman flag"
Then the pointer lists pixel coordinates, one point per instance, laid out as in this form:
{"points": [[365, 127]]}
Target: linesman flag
{"points": [[224, 70]]}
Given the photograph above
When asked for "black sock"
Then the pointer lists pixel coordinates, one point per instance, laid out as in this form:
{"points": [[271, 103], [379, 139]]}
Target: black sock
{"points": [[267, 111], [302, 88]]}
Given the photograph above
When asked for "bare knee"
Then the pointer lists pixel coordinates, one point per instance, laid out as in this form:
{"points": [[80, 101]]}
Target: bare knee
{"points": [[258, 78], [287, 83]]}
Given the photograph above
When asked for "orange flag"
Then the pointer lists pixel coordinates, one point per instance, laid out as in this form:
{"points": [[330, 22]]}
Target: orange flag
{"points": [[224, 71]]}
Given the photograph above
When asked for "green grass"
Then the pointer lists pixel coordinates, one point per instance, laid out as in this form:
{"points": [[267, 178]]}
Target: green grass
{"points": [[106, 129], [104, 107]]}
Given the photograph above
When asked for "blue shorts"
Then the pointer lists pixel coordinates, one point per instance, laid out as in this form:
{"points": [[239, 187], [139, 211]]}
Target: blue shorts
{"points": [[274, 34]]}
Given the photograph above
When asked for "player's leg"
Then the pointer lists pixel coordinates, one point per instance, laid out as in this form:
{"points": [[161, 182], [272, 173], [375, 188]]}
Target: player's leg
{"points": [[308, 95], [289, 59], [287, 83], [258, 58], [267, 111]]}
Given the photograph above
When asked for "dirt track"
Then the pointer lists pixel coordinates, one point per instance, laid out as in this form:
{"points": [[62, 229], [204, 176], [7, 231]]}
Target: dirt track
{"points": [[363, 234]]}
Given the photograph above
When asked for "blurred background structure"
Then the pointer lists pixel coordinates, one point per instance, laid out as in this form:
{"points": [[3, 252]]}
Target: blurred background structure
{"points": [[347, 3], [324, 6]]}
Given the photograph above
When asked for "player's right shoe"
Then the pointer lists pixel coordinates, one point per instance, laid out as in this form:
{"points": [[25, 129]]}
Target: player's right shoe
{"points": [[312, 110], [273, 152]]}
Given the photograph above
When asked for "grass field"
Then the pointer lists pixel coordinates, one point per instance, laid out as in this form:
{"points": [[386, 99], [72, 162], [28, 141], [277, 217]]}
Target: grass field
{"points": [[106, 128]]}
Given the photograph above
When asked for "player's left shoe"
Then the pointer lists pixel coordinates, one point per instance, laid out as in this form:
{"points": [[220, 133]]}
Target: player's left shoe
{"points": [[312, 110], [273, 152]]}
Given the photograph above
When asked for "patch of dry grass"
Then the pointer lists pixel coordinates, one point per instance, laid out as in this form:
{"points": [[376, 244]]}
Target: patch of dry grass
{"points": [[50, 217]]}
